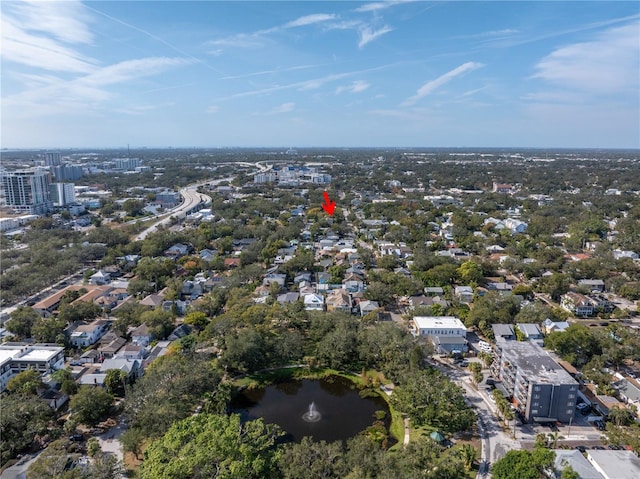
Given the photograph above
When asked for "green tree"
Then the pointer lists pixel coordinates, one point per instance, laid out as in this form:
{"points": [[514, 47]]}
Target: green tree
{"points": [[159, 322], [380, 292], [577, 344], [79, 311], [49, 330], [311, 459], [468, 454], [524, 464], [22, 417], [21, 322], [470, 272], [91, 405], [209, 445], [197, 319], [115, 382], [28, 382]]}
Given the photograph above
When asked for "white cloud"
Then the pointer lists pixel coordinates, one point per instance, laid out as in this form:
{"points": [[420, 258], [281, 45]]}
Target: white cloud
{"points": [[88, 92], [279, 110], [67, 21], [256, 39], [213, 109], [375, 6], [433, 85], [367, 35], [309, 20], [21, 46], [610, 64], [354, 87]]}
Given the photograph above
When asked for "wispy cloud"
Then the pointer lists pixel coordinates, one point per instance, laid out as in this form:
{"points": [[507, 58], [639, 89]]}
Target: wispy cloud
{"points": [[433, 85], [270, 72], [256, 40], [278, 110], [67, 21], [44, 35], [309, 20], [375, 6], [367, 34], [88, 92], [213, 109], [355, 87], [608, 65], [522, 38]]}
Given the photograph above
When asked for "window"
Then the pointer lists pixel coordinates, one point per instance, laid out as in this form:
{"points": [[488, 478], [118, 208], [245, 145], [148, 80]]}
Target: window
{"points": [[569, 412], [534, 411], [570, 404], [537, 388], [536, 396], [571, 396], [536, 403]]}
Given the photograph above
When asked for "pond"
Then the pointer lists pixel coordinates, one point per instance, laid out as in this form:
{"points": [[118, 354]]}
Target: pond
{"points": [[338, 412]]}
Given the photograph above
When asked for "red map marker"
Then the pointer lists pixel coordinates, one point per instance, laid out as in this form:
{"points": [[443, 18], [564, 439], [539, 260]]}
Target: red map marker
{"points": [[328, 206]]}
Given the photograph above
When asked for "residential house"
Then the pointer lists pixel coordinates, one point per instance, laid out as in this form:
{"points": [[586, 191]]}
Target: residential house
{"points": [[84, 335], [338, 300], [286, 298], [500, 287], [549, 326], [207, 255], [176, 251], [367, 307], [131, 351], [305, 276], [504, 331], [314, 302], [141, 336], [180, 332], [131, 367], [100, 278], [464, 293], [592, 285], [323, 280], [279, 279], [578, 304], [111, 348], [353, 283], [530, 331], [152, 300], [232, 262], [433, 291]]}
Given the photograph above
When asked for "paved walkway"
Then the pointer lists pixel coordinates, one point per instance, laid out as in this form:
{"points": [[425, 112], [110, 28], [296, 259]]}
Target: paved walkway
{"points": [[406, 431]]}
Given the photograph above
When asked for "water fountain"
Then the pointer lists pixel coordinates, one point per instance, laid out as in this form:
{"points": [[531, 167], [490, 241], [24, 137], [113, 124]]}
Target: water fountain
{"points": [[312, 415]]}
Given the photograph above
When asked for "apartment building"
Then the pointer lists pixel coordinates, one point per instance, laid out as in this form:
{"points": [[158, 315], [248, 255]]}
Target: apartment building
{"points": [[539, 388], [17, 357]]}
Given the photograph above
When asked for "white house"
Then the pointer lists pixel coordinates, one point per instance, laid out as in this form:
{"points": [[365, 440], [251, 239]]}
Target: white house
{"points": [[314, 302], [88, 334], [439, 326]]}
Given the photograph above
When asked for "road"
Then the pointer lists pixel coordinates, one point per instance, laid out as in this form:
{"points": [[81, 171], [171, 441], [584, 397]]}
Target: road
{"points": [[192, 198], [495, 442]]}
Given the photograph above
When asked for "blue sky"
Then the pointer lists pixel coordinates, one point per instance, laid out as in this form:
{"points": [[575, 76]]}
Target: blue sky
{"points": [[397, 73]]}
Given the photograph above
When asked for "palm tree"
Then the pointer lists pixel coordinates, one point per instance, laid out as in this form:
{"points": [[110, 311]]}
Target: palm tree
{"points": [[468, 454]]}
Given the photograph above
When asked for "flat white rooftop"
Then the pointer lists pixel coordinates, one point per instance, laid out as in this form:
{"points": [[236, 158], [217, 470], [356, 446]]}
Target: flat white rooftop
{"points": [[438, 322], [28, 352]]}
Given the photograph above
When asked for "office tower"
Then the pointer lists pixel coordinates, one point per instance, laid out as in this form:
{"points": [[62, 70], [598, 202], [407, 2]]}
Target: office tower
{"points": [[52, 158], [63, 194]]}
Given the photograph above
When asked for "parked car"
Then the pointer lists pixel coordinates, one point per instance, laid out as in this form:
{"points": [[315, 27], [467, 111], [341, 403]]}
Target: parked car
{"points": [[76, 437]]}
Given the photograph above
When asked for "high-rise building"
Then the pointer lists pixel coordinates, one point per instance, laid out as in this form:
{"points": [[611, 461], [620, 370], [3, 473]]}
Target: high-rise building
{"points": [[67, 172], [27, 191], [127, 164], [63, 194], [539, 388], [52, 158]]}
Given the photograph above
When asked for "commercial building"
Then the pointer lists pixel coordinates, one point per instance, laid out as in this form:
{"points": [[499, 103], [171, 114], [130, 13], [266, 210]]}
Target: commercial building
{"points": [[615, 464], [17, 357], [27, 190], [447, 333], [127, 164], [62, 194], [539, 388], [439, 326]]}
